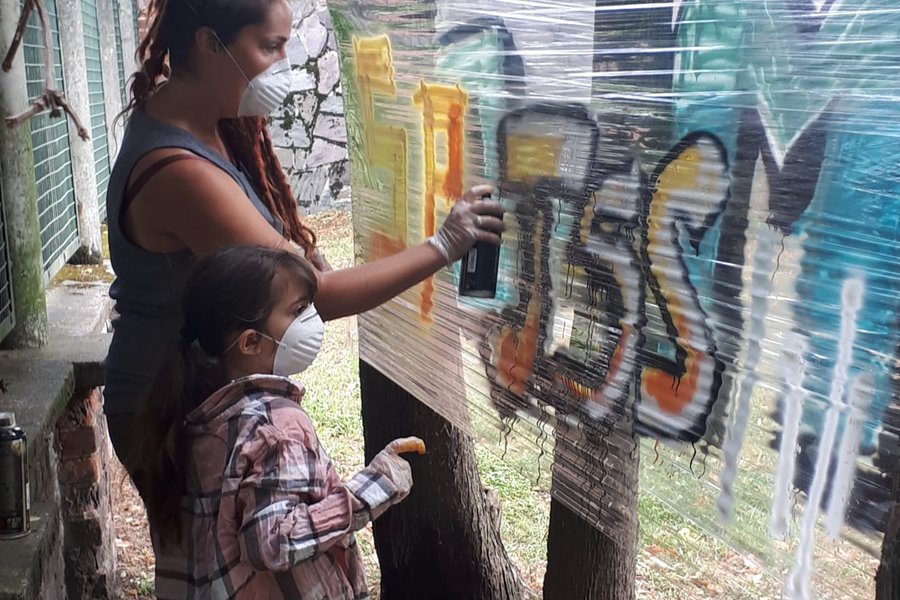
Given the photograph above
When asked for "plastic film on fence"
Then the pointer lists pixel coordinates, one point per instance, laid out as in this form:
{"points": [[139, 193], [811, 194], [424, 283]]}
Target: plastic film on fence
{"points": [[698, 292]]}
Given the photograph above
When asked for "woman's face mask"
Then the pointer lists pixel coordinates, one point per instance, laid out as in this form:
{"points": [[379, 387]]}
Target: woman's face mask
{"points": [[300, 343], [265, 92]]}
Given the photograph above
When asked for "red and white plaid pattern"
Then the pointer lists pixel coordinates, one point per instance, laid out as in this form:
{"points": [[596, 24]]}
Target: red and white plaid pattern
{"points": [[265, 514]]}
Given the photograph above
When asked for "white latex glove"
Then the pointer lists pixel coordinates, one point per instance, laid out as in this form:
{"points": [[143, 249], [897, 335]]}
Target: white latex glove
{"points": [[470, 220]]}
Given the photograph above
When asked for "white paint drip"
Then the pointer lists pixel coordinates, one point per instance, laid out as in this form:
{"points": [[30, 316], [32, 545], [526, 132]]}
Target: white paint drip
{"points": [[619, 197], [842, 483], [759, 297], [797, 586], [676, 8], [793, 370]]}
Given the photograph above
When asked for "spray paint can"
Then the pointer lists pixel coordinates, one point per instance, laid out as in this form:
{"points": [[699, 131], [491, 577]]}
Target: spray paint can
{"points": [[15, 499], [478, 271]]}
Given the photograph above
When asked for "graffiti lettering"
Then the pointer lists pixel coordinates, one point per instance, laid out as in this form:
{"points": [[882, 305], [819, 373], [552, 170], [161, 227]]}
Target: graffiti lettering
{"points": [[443, 127], [385, 144], [686, 194]]}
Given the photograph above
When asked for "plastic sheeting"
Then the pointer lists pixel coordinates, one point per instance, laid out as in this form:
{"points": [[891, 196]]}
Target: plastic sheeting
{"points": [[701, 256]]}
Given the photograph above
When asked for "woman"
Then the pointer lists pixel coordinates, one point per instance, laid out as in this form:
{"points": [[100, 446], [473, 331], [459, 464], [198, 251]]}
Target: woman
{"points": [[197, 172]]}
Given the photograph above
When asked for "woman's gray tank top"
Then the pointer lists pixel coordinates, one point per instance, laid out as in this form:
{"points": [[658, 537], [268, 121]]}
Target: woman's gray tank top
{"points": [[148, 286]]}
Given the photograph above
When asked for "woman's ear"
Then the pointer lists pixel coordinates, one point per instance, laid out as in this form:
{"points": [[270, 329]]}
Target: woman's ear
{"points": [[207, 41]]}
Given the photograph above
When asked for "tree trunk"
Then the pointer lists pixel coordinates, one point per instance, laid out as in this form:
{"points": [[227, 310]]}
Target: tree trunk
{"points": [[443, 541], [583, 563], [887, 580]]}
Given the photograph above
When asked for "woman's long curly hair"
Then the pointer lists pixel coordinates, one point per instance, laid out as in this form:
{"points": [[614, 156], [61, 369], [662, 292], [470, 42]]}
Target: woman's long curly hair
{"points": [[167, 45]]}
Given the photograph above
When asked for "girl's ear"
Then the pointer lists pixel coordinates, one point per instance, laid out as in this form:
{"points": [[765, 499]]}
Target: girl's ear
{"points": [[248, 342]]}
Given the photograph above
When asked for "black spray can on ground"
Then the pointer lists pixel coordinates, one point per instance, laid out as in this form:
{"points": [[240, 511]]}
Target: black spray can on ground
{"points": [[478, 271], [15, 500]]}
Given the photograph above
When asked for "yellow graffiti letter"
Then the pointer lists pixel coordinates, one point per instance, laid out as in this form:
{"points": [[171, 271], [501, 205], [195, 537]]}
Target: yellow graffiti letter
{"points": [[443, 120], [385, 144]]}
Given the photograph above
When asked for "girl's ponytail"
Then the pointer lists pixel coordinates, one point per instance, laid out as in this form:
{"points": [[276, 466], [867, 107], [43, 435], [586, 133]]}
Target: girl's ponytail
{"points": [[187, 376]]}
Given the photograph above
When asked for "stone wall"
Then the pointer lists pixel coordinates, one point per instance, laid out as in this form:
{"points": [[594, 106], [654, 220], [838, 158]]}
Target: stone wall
{"points": [[309, 132]]}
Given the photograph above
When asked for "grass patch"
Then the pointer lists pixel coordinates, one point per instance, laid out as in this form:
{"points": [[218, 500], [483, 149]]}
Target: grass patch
{"points": [[525, 514], [88, 273], [83, 274], [144, 584]]}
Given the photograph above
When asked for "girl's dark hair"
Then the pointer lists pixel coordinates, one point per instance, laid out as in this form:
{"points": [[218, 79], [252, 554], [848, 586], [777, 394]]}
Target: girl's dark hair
{"points": [[172, 28], [226, 293]]}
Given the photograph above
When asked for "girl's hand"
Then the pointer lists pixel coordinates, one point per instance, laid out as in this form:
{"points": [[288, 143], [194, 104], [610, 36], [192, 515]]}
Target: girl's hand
{"points": [[410, 444], [395, 469], [471, 220]]}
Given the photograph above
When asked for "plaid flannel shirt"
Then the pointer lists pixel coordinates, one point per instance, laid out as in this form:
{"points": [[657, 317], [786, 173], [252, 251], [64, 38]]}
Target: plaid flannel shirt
{"points": [[265, 514]]}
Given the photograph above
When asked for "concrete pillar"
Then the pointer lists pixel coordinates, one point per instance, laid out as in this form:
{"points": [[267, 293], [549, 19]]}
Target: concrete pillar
{"points": [[129, 44], [71, 41], [20, 199], [111, 84]]}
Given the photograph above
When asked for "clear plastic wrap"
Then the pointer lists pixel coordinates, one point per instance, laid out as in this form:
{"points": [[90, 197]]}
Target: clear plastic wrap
{"points": [[703, 232]]}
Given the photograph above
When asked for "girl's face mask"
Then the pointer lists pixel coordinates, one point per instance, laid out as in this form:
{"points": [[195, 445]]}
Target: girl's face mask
{"points": [[300, 343], [265, 92]]}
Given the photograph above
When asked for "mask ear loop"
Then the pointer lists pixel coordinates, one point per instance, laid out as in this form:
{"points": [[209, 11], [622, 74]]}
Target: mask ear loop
{"points": [[221, 43], [238, 338], [228, 52]]}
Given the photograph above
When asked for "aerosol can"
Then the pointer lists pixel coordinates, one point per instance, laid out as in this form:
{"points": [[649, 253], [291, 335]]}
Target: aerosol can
{"points": [[478, 271], [15, 500]]}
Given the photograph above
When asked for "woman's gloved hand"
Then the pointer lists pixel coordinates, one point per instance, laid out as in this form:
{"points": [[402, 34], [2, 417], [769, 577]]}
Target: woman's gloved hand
{"points": [[471, 220]]}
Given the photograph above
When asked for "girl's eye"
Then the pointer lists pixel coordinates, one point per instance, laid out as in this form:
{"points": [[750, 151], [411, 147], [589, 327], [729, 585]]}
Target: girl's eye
{"points": [[302, 308]]}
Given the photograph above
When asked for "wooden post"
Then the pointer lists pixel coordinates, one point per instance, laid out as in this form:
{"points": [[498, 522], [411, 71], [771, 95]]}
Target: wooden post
{"points": [[20, 199], [887, 580], [106, 18], [442, 542], [126, 27], [71, 42], [583, 562]]}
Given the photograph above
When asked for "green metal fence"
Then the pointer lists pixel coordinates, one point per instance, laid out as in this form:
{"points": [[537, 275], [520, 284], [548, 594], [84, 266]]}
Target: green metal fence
{"points": [[120, 53], [52, 162], [94, 64], [7, 316], [136, 12]]}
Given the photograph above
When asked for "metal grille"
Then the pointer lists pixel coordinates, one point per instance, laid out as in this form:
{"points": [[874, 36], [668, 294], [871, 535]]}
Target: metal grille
{"points": [[120, 56], [7, 316], [136, 13], [52, 162], [94, 63]]}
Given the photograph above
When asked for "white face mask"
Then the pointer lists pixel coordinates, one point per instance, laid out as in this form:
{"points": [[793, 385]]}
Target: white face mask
{"points": [[265, 92], [300, 343]]}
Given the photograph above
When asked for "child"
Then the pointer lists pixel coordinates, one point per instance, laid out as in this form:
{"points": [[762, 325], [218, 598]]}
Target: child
{"points": [[242, 499]]}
